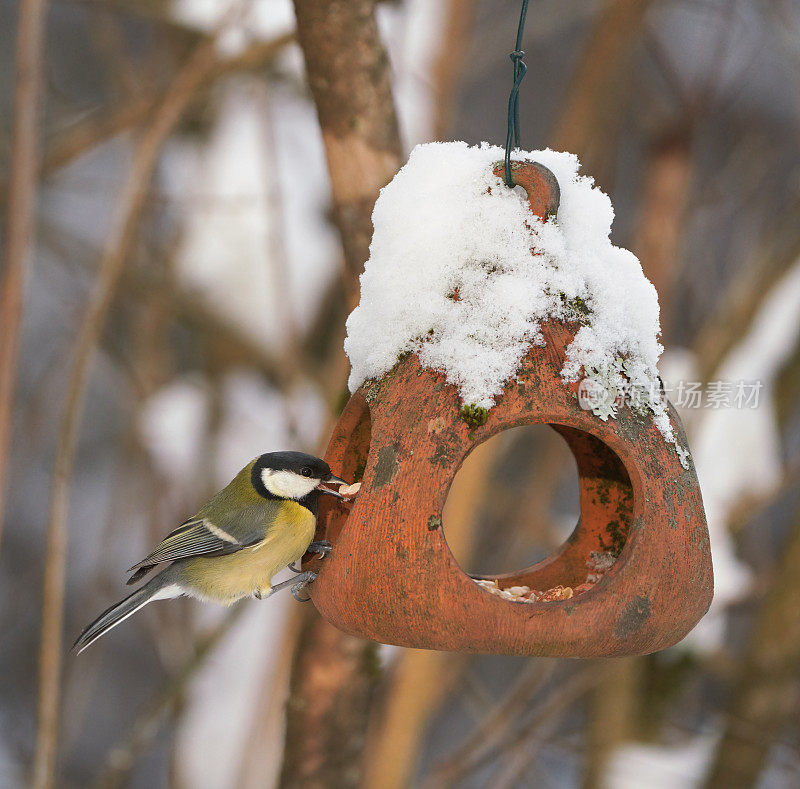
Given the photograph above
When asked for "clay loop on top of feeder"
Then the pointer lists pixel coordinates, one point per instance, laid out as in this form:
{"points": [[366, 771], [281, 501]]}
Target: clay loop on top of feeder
{"points": [[544, 193]]}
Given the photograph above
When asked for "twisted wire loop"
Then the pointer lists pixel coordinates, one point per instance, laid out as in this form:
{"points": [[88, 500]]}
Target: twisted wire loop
{"points": [[520, 69]]}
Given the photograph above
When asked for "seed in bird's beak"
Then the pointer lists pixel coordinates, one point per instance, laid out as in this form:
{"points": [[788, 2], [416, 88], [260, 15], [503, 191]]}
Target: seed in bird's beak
{"points": [[332, 479]]}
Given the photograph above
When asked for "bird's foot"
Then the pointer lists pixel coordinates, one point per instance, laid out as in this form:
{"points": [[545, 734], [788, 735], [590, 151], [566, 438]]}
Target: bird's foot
{"points": [[297, 585], [322, 547]]}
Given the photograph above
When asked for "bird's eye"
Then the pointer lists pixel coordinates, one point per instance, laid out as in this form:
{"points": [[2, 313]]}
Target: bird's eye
{"points": [[305, 471]]}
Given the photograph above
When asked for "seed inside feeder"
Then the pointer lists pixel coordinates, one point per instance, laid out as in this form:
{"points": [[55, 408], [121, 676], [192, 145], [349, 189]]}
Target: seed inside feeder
{"points": [[599, 562]]}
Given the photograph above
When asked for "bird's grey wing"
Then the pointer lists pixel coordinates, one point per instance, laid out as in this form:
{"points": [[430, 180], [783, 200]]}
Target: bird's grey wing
{"points": [[193, 538], [198, 536]]}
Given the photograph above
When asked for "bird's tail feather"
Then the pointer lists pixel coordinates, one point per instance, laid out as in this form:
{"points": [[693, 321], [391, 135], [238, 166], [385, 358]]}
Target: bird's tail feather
{"points": [[139, 574], [159, 588]]}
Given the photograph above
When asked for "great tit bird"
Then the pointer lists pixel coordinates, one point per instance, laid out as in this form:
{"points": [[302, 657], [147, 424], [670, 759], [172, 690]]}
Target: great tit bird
{"points": [[263, 521]]}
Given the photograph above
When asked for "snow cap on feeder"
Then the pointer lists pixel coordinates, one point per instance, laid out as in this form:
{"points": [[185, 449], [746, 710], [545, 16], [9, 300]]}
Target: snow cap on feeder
{"points": [[451, 278], [477, 315]]}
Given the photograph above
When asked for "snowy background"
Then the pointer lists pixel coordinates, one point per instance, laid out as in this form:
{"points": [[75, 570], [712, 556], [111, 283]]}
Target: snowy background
{"points": [[224, 318]]}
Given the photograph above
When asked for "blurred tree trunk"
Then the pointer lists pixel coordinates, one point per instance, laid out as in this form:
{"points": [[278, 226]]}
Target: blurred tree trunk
{"points": [[599, 88], [613, 714], [661, 223], [766, 697], [23, 167], [787, 387], [459, 22], [333, 674], [348, 72]]}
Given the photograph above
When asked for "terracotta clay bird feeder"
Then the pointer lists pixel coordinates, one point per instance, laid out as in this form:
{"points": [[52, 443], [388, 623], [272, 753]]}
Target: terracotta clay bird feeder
{"points": [[391, 576]]}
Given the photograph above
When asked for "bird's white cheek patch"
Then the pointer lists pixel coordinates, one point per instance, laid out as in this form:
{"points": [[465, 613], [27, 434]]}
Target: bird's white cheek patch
{"points": [[287, 484]]}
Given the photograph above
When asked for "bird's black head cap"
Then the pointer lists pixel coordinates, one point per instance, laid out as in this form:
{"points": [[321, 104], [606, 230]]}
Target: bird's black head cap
{"points": [[297, 462], [300, 463]]}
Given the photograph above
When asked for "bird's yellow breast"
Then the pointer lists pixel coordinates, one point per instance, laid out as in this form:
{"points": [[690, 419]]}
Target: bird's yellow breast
{"points": [[226, 579]]}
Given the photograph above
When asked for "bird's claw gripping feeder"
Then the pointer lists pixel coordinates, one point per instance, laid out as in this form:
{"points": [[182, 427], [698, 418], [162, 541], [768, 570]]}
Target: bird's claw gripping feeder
{"points": [[391, 576]]}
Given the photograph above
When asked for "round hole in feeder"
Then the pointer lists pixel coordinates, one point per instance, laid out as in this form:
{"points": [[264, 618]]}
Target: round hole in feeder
{"points": [[495, 527], [513, 502]]}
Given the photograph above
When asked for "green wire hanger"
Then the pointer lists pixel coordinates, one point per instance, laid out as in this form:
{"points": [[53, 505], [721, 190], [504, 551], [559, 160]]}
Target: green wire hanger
{"points": [[520, 70]]}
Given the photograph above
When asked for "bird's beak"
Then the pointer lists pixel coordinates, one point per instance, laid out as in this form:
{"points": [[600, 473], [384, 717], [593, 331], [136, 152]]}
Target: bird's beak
{"points": [[331, 480]]}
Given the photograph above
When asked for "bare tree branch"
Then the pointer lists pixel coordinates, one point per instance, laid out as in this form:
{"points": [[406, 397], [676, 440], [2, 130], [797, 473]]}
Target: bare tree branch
{"points": [[123, 755], [591, 109], [510, 734], [739, 303], [103, 124], [495, 726], [20, 215], [128, 210], [189, 308]]}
